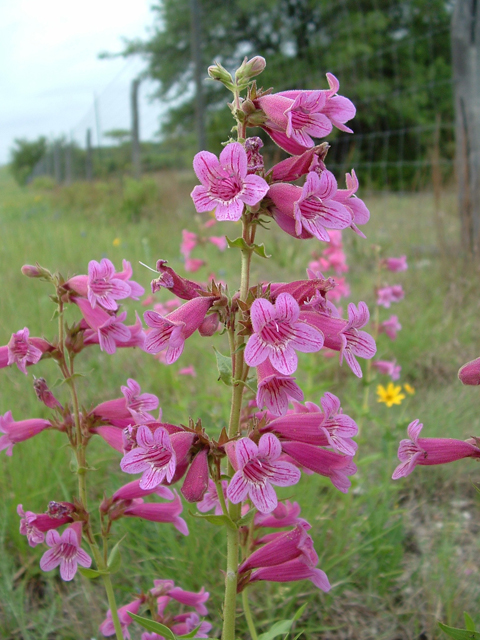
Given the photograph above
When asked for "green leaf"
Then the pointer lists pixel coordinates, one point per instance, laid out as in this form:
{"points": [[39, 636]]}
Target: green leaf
{"points": [[192, 634], [459, 634], [219, 521], [151, 625], [469, 623], [238, 243], [91, 574], [278, 629], [299, 612], [115, 559], [260, 250], [247, 518], [224, 366]]}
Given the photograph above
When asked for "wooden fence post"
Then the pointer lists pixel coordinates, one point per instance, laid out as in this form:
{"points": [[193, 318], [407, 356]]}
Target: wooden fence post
{"points": [[135, 134], [89, 157], [466, 80]]}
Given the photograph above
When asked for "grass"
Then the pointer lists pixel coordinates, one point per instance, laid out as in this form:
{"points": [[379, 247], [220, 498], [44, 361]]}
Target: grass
{"points": [[400, 555]]}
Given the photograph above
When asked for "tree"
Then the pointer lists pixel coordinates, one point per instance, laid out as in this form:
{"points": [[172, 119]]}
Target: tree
{"points": [[392, 60], [24, 156]]}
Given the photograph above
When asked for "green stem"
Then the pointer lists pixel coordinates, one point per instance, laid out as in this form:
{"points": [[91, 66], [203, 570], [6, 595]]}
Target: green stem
{"points": [[248, 615], [234, 510]]}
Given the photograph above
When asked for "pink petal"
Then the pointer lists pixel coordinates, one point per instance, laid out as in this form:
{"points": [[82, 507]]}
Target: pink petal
{"points": [[245, 450], [206, 166], [255, 352], [307, 339], [262, 312], [134, 462], [202, 200], [237, 490], [269, 447], [234, 157], [68, 568], [255, 189], [145, 437], [50, 560], [287, 308], [284, 360], [152, 477], [263, 497], [230, 210], [285, 475]]}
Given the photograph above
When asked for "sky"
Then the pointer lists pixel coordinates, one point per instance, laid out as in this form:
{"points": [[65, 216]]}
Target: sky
{"points": [[50, 70]]}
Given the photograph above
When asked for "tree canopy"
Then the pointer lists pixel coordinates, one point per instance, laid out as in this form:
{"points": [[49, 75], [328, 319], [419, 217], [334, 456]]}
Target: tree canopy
{"points": [[392, 59], [24, 155]]}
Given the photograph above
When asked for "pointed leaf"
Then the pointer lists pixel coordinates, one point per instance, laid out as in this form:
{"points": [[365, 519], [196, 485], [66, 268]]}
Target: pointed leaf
{"points": [[219, 521], [459, 634], [260, 250], [151, 625], [192, 634], [299, 612], [114, 558], [224, 366], [91, 574], [278, 629], [247, 518], [238, 243], [469, 623]]}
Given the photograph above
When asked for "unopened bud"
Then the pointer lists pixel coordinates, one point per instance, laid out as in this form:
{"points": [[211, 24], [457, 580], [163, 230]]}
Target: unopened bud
{"points": [[60, 509], [219, 73], [45, 395], [36, 271], [250, 68]]}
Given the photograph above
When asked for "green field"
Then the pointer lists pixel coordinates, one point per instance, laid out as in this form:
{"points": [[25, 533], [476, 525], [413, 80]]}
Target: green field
{"points": [[400, 555]]}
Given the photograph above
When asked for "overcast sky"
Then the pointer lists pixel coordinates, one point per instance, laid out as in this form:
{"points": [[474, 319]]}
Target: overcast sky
{"points": [[50, 69]]}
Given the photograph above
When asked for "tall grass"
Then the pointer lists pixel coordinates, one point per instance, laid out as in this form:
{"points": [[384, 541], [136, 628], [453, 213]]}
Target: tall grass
{"points": [[400, 555]]}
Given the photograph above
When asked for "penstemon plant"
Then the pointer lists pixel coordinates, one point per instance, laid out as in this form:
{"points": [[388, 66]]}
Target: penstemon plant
{"points": [[266, 443]]}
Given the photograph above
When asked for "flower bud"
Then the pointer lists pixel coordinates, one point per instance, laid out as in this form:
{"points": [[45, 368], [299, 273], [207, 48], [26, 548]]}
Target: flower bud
{"points": [[250, 68], [44, 394], [36, 271], [219, 73]]}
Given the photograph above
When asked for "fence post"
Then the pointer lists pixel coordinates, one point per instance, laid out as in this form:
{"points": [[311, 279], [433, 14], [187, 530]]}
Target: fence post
{"points": [[196, 52], [135, 133], [89, 157], [466, 66], [68, 163]]}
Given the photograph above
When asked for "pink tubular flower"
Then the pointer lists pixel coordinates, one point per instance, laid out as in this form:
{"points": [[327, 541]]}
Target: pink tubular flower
{"points": [[160, 512], [45, 395], [22, 350], [107, 627], [34, 525], [189, 242], [193, 264], [469, 374], [396, 264], [171, 331], [257, 469], [359, 212], [427, 451], [332, 428], [219, 241], [309, 211], [387, 295], [292, 571], [274, 390], [285, 514], [132, 491], [181, 287], [136, 290], [283, 548], [103, 287], [107, 329], [188, 371], [18, 431], [154, 456], [226, 185], [344, 336], [210, 498], [195, 484], [66, 552], [326, 463], [390, 327], [278, 332], [112, 436], [388, 368], [138, 404], [295, 167]]}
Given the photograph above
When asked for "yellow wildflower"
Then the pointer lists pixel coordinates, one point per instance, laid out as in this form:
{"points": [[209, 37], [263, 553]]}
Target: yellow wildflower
{"points": [[409, 389], [390, 395], [117, 242]]}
